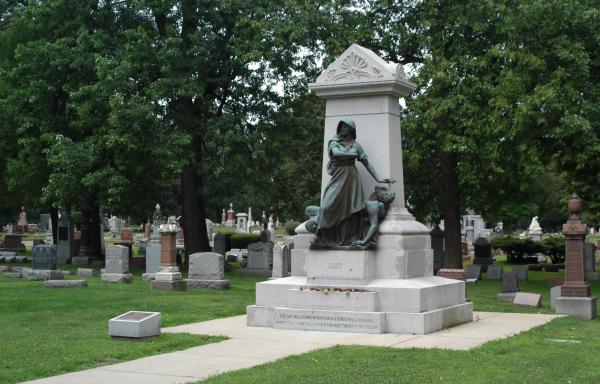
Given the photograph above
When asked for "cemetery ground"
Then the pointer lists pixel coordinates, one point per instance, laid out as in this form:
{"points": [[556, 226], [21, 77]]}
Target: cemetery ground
{"points": [[51, 331]]}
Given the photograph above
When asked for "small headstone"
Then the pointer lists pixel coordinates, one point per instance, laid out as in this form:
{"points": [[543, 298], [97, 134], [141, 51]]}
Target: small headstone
{"points": [[260, 260], [207, 271], [65, 284], [44, 257], [473, 272], [521, 273], [528, 299], [494, 272], [117, 265], [510, 282], [220, 244], [456, 274], [483, 253]]}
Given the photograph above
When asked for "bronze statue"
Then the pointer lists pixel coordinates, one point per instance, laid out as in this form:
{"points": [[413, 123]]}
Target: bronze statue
{"points": [[339, 221]]}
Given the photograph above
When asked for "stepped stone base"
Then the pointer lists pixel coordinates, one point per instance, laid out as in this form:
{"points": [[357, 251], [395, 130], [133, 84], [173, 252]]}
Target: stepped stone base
{"points": [[212, 284], [166, 285], [583, 307]]}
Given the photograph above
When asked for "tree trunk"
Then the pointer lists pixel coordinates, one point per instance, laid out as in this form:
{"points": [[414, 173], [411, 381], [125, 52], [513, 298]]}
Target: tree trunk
{"points": [[451, 211], [194, 218], [54, 221]]}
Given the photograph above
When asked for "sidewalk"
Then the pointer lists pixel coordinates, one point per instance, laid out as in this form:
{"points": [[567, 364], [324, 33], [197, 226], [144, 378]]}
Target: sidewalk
{"points": [[251, 346]]}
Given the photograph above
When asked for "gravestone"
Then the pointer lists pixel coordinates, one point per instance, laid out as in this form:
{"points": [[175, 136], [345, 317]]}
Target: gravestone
{"points": [[473, 272], [116, 269], [554, 293], [12, 243], [437, 245], [590, 263], [65, 284], [525, 299], [207, 271], [65, 247], [43, 264], [168, 277], [483, 253], [280, 262], [494, 272], [260, 260], [510, 286], [45, 222], [152, 257], [220, 244], [521, 273]]}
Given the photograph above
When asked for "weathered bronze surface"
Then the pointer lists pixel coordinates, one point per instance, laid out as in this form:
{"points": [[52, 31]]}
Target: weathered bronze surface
{"points": [[345, 218]]}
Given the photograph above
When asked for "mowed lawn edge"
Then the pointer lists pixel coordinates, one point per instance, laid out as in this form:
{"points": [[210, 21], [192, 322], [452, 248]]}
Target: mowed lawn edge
{"points": [[47, 332]]}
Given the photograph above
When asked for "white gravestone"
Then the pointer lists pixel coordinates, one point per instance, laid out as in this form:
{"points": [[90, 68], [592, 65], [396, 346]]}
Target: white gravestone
{"points": [[395, 280]]}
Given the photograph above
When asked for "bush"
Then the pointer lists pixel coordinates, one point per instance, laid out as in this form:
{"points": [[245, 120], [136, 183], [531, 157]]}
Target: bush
{"points": [[519, 250], [241, 240], [290, 227], [554, 247]]}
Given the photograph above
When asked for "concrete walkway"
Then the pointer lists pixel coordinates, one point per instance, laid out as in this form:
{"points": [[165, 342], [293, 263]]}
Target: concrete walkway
{"points": [[251, 346]]}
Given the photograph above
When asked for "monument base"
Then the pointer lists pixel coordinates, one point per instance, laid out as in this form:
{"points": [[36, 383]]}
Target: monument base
{"points": [[80, 260], [118, 278], [583, 307], [166, 285], [212, 284], [418, 306]]}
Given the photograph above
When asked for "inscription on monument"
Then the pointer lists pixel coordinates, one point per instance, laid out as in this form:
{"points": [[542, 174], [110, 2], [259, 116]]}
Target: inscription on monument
{"points": [[365, 322]]}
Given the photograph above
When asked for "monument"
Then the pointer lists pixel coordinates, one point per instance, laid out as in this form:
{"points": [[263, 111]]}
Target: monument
{"points": [[43, 264], [168, 277], [65, 248], [207, 270], [535, 231], [116, 269], [242, 222], [361, 265], [575, 294], [230, 216]]}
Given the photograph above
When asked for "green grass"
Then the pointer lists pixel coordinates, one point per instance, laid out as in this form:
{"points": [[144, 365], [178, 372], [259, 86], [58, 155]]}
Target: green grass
{"points": [[47, 332], [540, 355]]}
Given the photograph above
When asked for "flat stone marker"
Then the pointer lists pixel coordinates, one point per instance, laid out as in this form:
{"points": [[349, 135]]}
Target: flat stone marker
{"points": [[473, 272], [65, 284], [494, 272], [521, 273], [135, 325], [528, 299], [13, 275], [88, 272]]}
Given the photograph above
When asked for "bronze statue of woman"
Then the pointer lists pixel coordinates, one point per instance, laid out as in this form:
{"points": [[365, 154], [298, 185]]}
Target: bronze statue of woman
{"points": [[341, 215]]}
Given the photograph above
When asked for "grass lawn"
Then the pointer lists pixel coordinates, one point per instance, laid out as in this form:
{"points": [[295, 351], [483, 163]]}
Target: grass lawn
{"points": [[566, 350], [47, 332]]}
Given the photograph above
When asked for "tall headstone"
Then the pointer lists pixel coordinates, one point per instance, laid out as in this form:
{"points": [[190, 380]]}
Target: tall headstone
{"points": [[207, 271], [361, 86], [65, 248], [116, 269], [590, 262], [43, 263], [483, 253], [168, 277], [437, 245], [279, 270], [45, 222], [575, 295], [223, 217], [242, 222], [220, 245], [250, 220]]}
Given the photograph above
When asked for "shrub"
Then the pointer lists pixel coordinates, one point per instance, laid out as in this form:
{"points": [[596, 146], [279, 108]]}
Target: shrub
{"points": [[241, 240], [290, 227], [554, 247], [518, 250]]}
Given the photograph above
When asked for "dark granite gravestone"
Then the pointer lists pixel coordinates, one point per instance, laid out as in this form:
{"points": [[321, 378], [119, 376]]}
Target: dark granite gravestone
{"points": [[510, 283], [473, 272], [590, 262], [220, 244], [521, 273], [44, 257], [483, 253], [494, 272]]}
